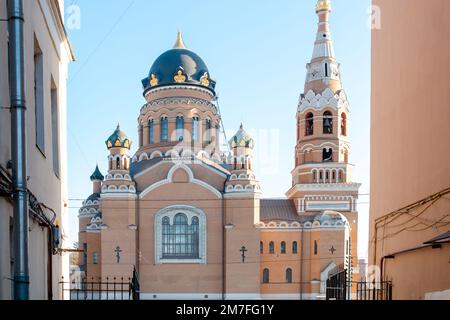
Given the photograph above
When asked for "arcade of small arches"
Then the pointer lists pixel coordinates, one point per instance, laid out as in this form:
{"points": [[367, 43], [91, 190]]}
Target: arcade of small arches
{"points": [[177, 154], [295, 225], [118, 162], [328, 175], [118, 189]]}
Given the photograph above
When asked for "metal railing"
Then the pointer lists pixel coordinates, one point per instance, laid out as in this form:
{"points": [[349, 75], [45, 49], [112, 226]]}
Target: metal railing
{"points": [[101, 289], [374, 290]]}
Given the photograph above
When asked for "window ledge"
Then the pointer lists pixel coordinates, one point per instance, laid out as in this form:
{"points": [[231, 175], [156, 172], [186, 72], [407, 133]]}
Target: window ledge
{"points": [[181, 261]]}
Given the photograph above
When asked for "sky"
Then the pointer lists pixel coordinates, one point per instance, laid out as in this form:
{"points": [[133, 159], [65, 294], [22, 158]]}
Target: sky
{"points": [[256, 50]]}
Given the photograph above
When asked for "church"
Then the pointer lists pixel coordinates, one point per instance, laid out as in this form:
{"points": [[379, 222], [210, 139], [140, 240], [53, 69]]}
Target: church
{"points": [[192, 220]]}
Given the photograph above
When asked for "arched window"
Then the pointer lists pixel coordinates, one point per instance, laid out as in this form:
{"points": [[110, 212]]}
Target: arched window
{"points": [[320, 176], [283, 247], [309, 124], [294, 247], [316, 249], [151, 131], [344, 124], [180, 240], [289, 275], [266, 276], [271, 247], [164, 129], [195, 128], [208, 131], [334, 176], [261, 247], [327, 123], [327, 155], [118, 164], [341, 177], [314, 176], [180, 128]]}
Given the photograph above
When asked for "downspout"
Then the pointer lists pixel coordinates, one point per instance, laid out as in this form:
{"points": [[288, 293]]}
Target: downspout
{"points": [[18, 149], [224, 230], [301, 265]]}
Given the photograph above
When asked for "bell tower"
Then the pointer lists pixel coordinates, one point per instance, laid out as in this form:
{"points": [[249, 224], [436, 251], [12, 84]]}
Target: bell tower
{"points": [[322, 177]]}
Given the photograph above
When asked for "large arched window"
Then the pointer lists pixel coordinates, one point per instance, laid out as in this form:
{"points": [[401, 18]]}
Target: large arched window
{"points": [[344, 124], [181, 239], [164, 129], [294, 247], [283, 248], [289, 275], [327, 123], [180, 235], [309, 131], [266, 276], [271, 247], [180, 128], [151, 131]]}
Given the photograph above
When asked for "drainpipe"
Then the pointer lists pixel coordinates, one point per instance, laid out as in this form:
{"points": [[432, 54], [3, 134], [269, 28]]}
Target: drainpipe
{"points": [[18, 149]]}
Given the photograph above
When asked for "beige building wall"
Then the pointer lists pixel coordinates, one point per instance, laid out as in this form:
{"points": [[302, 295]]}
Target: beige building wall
{"points": [[409, 144], [43, 21]]}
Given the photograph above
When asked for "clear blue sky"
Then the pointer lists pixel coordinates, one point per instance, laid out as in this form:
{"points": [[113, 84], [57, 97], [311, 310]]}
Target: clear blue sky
{"points": [[256, 50]]}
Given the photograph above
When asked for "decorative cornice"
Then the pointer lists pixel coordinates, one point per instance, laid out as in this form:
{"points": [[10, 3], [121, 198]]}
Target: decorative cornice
{"points": [[182, 87], [324, 187], [178, 101], [327, 99]]}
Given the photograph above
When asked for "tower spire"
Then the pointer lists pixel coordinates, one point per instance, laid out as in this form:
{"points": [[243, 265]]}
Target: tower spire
{"points": [[179, 44], [323, 70]]}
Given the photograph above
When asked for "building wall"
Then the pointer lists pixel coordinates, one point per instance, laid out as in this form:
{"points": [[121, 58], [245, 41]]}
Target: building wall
{"points": [[41, 21], [409, 143]]}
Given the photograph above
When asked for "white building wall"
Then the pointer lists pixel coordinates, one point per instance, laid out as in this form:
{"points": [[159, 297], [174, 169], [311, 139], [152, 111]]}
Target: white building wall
{"points": [[42, 20]]}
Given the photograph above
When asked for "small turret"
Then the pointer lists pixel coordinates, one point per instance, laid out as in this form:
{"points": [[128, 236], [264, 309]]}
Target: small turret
{"points": [[118, 145], [97, 179], [242, 145]]}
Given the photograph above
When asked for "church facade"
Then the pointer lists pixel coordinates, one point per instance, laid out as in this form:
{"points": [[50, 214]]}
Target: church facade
{"points": [[191, 218]]}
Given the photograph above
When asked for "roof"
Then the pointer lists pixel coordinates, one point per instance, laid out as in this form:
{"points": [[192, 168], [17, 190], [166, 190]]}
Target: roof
{"points": [[443, 238], [176, 66], [97, 175], [118, 139], [242, 139], [278, 209]]}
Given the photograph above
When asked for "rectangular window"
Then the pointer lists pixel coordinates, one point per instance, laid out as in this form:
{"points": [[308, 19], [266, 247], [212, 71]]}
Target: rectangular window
{"points": [[95, 258], [55, 128], [39, 97]]}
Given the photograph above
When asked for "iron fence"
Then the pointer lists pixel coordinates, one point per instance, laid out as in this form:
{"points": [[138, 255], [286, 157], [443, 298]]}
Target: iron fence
{"points": [[98, 289], [337, 286], [374, 290]]}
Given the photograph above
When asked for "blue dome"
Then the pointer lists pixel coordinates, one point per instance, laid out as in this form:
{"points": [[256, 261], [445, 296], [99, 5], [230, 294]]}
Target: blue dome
{"points": [[179, 66]]}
